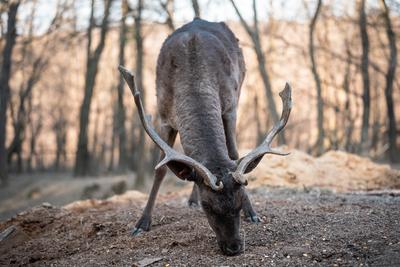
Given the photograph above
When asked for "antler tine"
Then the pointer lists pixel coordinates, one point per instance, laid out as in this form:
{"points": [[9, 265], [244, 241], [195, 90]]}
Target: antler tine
{"points": [[250, 161], [170, 153]]}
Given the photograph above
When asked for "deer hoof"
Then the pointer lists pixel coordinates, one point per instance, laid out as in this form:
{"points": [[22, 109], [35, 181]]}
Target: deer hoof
{"points": [[136, 231], [253, 219], [141, 226]]}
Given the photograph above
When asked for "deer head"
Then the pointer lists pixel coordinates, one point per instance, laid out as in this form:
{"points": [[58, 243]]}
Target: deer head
{"points": [[222, 189]]}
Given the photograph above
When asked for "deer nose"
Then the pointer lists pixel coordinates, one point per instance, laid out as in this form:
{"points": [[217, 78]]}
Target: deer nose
{"points": [[233, 249]]}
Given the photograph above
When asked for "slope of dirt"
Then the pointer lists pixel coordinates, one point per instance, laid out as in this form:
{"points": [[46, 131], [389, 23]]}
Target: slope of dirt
{"points": [[335, 170], [314, 228]]}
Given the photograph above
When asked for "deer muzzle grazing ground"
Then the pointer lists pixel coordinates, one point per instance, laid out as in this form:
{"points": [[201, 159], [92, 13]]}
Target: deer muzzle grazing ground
{"points": [[200, 70]]}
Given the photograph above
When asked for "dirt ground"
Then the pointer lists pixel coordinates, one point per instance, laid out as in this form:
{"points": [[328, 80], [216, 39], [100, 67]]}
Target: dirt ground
{"points": [[309, 227]]}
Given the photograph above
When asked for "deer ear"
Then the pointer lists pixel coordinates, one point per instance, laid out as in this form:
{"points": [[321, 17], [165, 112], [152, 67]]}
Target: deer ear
{"points": [[182, 171], [253, 164]]}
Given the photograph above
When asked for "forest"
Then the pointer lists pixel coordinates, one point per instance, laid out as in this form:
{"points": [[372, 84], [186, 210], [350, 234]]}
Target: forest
{"points": [[67, 108]]}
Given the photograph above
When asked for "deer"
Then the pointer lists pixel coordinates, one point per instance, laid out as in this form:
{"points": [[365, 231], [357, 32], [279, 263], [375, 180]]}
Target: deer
{"points": [[199, 74]]}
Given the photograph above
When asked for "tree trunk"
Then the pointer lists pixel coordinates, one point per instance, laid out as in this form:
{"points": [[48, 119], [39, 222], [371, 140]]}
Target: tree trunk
{"points": [[255, 37], [35, 131], [20, 122], [95, 143], [394, 153], [196, 8], [260, 136], [140, 156], [60, 127], [320, 104], [168, 7], [366, 98], [4, 85], [82, 160], [112, 148], [347, 122], [120, 125], [39, 63]]}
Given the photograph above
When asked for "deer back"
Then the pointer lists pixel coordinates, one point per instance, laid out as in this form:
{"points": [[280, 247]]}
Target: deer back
{"points": [[200, 70]]}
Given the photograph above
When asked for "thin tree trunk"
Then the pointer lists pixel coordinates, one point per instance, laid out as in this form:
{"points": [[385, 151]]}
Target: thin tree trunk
{"points": [[96, 135], [25, 94], [168, 7], [348, 123], [317, 79], [22, 116], [366, 98], [394, 153], [260, 135], [4, 85], [121, 117], [257, 46], [82, 160], [35, 131], [112, 160], [140, 156], [196, 8], [60, 127]]}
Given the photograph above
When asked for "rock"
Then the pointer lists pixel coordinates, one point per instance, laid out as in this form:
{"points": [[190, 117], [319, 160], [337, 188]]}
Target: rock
{"points": [[47, 205], [146, 261], [7, 232]]}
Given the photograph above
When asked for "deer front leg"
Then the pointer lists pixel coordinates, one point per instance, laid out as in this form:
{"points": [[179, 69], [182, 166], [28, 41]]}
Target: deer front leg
{"points": [[169, 135], [249, 214], [229, 120]]}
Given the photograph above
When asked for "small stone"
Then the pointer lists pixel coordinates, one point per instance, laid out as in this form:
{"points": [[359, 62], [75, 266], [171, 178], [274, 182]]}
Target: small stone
{"points": [[47, 205]]}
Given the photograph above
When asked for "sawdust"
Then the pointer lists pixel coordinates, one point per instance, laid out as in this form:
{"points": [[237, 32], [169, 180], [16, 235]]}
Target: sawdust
{"points": [[334, 170]]}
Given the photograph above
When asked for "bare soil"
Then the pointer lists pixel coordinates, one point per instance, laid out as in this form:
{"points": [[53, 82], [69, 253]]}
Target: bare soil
{"points": [[299, 228]]}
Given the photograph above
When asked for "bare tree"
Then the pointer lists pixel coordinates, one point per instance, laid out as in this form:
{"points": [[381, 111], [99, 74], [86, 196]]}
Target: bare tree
{"points": [[196, 8], [82, 160], [60, 128], [317, 79], [254, 35], [37, 64], [390, 75], [168, 7], [348, 122], [35, 127], [260, 135], [364, 143], [121, 114], [5, 75], [139, 160]]}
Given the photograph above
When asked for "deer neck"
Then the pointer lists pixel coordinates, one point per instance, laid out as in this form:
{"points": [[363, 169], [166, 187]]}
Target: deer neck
{"points": [[200, 125]]}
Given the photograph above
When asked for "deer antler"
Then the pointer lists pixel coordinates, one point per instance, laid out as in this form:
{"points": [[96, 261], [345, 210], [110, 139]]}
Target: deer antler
{"points": [[170, 154], [250, 161]]}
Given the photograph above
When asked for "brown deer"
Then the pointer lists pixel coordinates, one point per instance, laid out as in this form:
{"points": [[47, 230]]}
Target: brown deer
{"points": [[200, 70]]}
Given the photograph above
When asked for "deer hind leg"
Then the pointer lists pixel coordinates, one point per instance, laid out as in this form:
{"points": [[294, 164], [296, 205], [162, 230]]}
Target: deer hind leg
{"points": [[144, 224], [248, 210], [229, 121]]}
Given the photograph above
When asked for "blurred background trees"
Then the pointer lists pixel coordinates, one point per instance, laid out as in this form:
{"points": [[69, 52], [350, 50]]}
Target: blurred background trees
{"points": [[64, 107]]}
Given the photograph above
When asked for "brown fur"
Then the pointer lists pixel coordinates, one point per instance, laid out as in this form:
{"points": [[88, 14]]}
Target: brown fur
{"points": [[200, 70]]}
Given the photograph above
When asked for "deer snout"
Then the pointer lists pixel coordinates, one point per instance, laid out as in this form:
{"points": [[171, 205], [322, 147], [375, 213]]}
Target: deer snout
{"points": [[232, 248]]}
